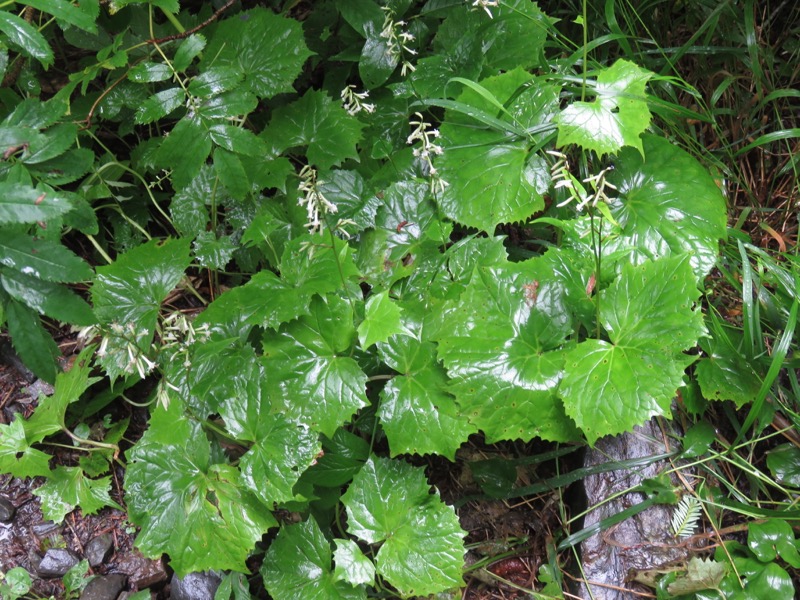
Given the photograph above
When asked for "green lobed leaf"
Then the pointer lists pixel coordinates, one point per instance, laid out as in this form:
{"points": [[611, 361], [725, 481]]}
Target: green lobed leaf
{"points": [[616, 118], [321, 124], [196, 511], [188, 206], [26, 37], [46, 297], [650, 317], [417, 411], [308, 359], [516, 36], [243, 42], [725, 373], [348, 191], [382, 319], [69, 386], [24, 204], [213, 252], [68, 487], [297, 566], [422, 550], [378, 61], [33, 344], [494, 178], [132, 288], [501, 344], [17, 457], [668, 205], [185, 165], [772, 539], [16, 583], [230, 104], [351, 564], [281, 450]]}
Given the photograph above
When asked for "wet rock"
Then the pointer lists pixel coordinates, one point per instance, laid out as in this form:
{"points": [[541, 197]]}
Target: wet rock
{"points": [[106, 587], [98, 549], [142, 572], [195, 586], [638, 543], [56, 562], [7, 510]]}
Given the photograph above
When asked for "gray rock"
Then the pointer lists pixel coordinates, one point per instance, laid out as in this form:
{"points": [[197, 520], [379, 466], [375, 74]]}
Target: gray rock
{"points": [[195, 586], [98, 549], [56, 562], [142, 572], [106, 587], [7, 510]]}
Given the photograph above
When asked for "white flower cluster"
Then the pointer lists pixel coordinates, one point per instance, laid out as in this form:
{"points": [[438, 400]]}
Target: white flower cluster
{"points": [[565, 179], [397, 40], [314, 201], [354, 101], [119, 343], [178, 334], [486, 5], [424, 133]]}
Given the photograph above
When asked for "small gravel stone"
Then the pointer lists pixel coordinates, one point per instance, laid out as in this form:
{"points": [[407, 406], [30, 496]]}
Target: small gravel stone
{"points": [[7, 510], [98, 549], [106, 587], [56, 562], [195, 586], [142, 572]]}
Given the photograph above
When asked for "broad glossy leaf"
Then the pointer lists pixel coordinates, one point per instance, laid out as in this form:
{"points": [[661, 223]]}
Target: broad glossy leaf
{"points": [[16, 455], [48, 298], [197, 512], [616, 118], [188, 206], [26, 37], [308, 359], [321, 124], [185, 165], [281, 450], [417, 411], [382, 319], [213, 252], [378, 61], [172, 6], [611, 386], [24, 204], [516, 35], [784, 464], [494, 178], [33, 344], [132, 288], [344, 455], [422, 549], [298, 567], [65, 168], [668, 205], [351, 564], [237, 139], [500, 343], [67, 488], [359, 13], [245, 40], [230, 104], [347, 190], [724, 373], [772, 539], [214, 81]]}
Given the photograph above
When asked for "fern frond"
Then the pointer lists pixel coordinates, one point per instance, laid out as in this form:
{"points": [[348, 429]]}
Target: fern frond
{"points": [[686, 516]]}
